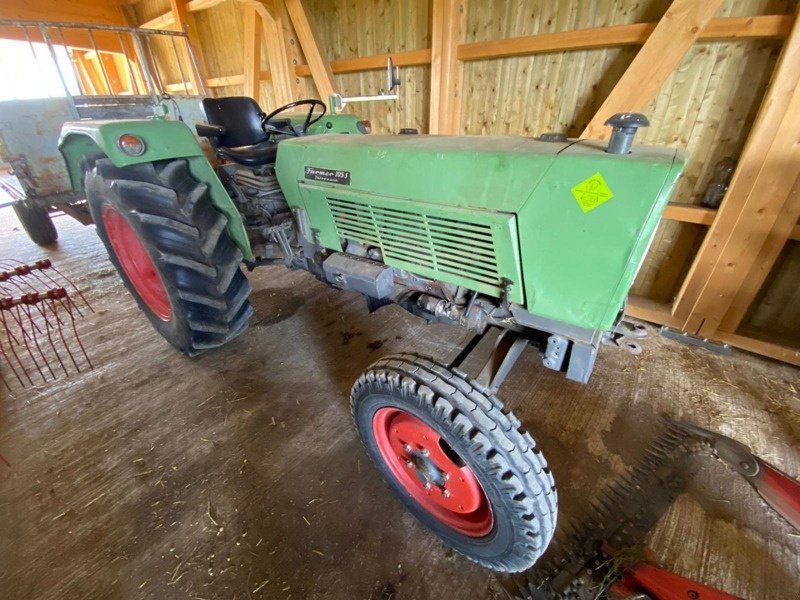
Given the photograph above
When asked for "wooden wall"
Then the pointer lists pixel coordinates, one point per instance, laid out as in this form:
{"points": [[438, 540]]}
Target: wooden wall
{"points": [[707, 105], [356, 28]]}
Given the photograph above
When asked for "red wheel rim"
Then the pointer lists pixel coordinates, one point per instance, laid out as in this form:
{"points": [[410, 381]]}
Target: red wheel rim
{"points": [[136, 263], [432, 476]]}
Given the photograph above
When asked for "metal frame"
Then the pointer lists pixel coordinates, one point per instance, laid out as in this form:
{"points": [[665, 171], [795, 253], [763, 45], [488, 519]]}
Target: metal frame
{"points": [[144, 58]]}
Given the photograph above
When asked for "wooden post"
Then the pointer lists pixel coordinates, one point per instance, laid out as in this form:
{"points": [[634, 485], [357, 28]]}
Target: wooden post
{"points": [[449, 18], [252, 51], [675, 33], [770, 251], [281, 71], [759, 208], [183, 21], [320, 67], [293, 53], [89, 78]]}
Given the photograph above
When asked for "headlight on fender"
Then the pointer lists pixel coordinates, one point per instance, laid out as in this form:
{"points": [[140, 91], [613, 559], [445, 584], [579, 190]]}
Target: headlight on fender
{"points": [[130, 144]]}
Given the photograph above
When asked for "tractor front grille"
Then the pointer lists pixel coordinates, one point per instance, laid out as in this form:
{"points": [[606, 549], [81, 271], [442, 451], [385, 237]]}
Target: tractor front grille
{"points": [[409, 239]]}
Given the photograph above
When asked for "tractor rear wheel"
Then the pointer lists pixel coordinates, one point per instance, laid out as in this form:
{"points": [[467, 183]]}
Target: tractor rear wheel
{"points": [[170, 246], [457, 460], [37, 223]]}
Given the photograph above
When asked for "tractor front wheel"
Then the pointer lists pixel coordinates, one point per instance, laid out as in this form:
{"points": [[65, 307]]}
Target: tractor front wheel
{"points": [[37, 223], [457, 460], [170, 246]]}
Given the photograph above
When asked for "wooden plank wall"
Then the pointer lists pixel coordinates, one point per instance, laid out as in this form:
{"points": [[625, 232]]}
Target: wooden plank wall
{"points": [[356, 28], [707, 105]]}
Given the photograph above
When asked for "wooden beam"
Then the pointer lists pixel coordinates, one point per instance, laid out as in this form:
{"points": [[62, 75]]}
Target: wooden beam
{"points": [[448, 26], [91, 79], [225, 81], [320, 67], [350, 65], [634, 34], [281, 71], [702, 215], [294, 54], [198, 5], [101, 12], [689, 213], [675, 33], [650, 310], [167, 20], [751, 285], [251, 51], [164, 21], [762, 347], [758, 208], [407, 58], [196, 72]]}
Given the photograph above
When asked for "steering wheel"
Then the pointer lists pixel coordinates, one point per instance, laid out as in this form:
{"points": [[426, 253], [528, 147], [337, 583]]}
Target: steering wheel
{"points": [[287, 127]]}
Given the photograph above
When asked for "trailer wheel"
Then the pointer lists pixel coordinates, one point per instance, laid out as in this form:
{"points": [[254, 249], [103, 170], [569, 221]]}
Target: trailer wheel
{"points": [[170, 246], [36, 222], [457, 460]]}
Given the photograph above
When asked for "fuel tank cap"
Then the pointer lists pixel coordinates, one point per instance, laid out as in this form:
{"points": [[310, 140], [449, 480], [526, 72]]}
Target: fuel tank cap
{"points": [[552, 136]]}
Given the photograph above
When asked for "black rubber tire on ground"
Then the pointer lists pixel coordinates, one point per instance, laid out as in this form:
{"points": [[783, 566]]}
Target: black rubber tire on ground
{"points": [[490, 441], [36, 222], [186, 239]]}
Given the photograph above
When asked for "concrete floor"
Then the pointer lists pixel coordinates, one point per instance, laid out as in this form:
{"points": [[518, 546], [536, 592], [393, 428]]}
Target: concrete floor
{"points": [[239, 475]]}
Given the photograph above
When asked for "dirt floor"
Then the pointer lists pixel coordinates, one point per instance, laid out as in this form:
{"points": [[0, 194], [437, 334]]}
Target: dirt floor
{"points": [[238, 474]]}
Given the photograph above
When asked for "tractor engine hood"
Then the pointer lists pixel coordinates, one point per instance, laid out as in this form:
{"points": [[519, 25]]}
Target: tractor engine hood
{"points": [[480, 172], [559, 228]]}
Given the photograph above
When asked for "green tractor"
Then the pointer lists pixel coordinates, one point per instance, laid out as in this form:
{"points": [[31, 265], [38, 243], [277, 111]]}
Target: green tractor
{"points": [[525, 242]]}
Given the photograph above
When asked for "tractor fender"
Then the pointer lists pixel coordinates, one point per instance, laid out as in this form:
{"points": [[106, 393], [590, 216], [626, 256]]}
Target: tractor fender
{"points": [[83, 142]]}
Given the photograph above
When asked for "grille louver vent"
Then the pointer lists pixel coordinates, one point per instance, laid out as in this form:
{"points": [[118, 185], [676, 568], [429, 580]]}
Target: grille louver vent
{"points": [[445, 245]]}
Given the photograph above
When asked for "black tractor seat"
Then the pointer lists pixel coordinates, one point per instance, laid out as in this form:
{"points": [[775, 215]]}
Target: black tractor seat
{"points": [[235, 132]]}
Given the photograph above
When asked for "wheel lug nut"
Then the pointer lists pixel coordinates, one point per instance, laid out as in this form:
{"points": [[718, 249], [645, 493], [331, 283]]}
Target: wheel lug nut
{"points": [[427, 485], [410, 464], [424, 452], [446, 493], [407, 447]]}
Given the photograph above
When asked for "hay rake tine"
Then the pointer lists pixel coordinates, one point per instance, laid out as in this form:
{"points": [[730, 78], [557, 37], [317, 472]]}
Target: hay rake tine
{"points": [[48, 329], [63, 338], [8, 361], [13, 350], [26, 337], [69, 305], [14, 311], [32, 321]]}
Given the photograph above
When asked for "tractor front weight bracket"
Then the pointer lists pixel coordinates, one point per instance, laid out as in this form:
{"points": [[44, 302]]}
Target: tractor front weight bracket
{"points": [[489, 356]]}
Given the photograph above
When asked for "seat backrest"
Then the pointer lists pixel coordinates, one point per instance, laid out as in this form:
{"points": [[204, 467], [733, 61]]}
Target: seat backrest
{"points": [[241, 118]]}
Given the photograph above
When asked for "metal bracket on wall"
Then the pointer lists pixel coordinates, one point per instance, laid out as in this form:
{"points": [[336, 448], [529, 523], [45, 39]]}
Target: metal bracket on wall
{"points": [[692, 340]]}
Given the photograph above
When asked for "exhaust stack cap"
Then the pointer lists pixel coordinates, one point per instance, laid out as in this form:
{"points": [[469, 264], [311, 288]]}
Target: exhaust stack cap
{"points": [[623, 130]]}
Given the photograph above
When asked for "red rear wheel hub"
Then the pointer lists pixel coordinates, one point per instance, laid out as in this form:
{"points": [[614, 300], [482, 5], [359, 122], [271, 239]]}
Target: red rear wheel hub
{"points": [[136, 262], [431, 472]]}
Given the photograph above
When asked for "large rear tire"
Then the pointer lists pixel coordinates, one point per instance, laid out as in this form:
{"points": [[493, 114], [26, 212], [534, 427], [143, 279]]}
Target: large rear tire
{"points": [[170, 246], [460, 463], [37, 223]]}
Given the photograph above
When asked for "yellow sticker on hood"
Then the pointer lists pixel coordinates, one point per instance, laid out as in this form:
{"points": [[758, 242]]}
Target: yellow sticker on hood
{"points": [[592, 192]]}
